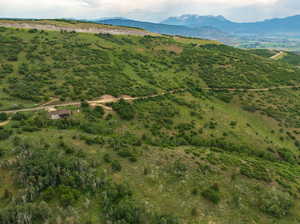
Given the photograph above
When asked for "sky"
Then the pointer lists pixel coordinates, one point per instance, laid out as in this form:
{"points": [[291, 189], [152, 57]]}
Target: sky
{"points": [[149, 10]]}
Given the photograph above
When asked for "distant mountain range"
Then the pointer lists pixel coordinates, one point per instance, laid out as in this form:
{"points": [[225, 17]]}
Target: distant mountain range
{"points": [[217, 28], [205, 32], [288, 25]]}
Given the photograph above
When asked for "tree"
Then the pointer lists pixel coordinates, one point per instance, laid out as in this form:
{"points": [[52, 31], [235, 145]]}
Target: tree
{"points": [[98, 111], [3, 117], [124, 109], [212, 194], [84, 104], [116, 166], [275, 203]]}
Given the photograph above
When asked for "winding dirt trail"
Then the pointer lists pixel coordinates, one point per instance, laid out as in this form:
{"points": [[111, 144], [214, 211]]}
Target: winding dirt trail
{"points": [[278, 55], [2, 124], [252, 90], [104, 100]]}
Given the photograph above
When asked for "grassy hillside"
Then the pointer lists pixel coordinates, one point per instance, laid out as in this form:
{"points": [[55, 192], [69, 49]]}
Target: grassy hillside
{"points": [[38, 65], [191, 156], [292, 58]]}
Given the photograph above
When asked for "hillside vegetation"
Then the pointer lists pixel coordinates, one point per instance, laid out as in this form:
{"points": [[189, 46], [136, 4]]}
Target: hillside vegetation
{"points": [[292, 58], [191, 156]]}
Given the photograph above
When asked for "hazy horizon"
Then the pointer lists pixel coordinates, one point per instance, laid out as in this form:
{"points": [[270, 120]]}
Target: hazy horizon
{"points": [[146, 10]]}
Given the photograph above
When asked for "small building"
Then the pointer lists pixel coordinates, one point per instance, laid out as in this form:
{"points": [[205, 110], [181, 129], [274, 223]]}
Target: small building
{"points": [[60, 114]]}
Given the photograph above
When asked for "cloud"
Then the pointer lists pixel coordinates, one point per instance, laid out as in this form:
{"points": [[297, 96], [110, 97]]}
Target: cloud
{"points": [[254, 12], [154, 10]]}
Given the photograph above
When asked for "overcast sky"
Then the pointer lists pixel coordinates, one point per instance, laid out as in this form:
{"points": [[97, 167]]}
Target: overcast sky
{"points": [[150, 10]]}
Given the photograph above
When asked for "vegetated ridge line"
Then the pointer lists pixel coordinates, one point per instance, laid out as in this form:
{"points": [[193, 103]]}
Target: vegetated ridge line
{"points": [[251, 90], [128, 98], [50, 27]]}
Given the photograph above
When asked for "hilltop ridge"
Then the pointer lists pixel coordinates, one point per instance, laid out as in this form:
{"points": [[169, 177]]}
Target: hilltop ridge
{"points": [[70, 25], [205, 32]]}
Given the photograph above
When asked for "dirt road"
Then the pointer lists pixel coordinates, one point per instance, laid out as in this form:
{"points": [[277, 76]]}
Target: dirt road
{"points": [[251, 90], [278, 55], [102, 101], [2, 124]]}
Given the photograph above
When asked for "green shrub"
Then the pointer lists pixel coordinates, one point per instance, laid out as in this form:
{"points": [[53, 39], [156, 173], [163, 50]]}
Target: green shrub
{"points": [[125, 153], [32, 31], [67, 195], [116, 166], [98, 112], [126, 211], [6, 69], [256, 171], [124, 109], [19, 117], [25, 213], [3, 117], [287, 155], [275, 203], [212, 194], [107, 158], [248, 108], [166, 219], [119, 205], [5, 134]]}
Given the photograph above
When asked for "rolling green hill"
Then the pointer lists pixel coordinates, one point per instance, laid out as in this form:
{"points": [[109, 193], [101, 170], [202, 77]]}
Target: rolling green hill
{"points": [[289, 57], [211, 137]]}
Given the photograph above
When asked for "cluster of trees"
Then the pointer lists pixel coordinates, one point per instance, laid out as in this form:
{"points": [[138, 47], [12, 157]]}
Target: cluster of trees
{"points": [[120, 207], [124, 109], [53, 170], [212, 194], [62, 173], [10, 47], [84, 70], [3, 117], [275, 203]]}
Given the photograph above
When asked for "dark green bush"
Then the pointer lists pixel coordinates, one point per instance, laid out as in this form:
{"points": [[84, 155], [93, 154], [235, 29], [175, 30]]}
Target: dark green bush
{"points": [[256, 171], [107, 158], [124, 109], [5, 134], [19, 117], [287, 155], [212, 194], [116, 166], [275, 203], [3, 117]]}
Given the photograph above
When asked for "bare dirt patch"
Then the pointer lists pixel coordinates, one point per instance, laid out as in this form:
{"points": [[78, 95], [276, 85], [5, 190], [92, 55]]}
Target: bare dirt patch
{"points": [[171, 48], [2, 124], [126, 97], [108, 97], [58, 27]]}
